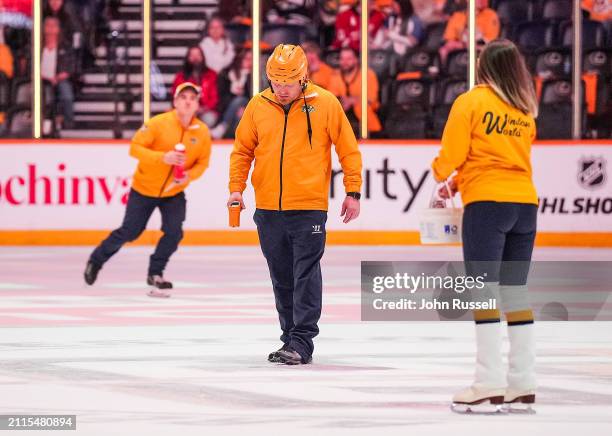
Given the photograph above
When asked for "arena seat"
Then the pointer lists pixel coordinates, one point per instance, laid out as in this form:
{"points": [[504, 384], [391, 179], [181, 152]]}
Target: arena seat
{"points": [[593, 34], [457, 63], [534, 35], [19, 122], [434, 36], [557, 10], [421, 60], [274, 34], [382, 63]]}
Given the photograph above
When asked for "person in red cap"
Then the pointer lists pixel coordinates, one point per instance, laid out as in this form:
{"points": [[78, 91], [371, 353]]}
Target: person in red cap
{"points": [[155, 146]]}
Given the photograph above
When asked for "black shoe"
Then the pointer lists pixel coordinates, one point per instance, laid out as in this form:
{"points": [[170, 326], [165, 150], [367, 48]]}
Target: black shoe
{"points": [[291, 357], [273, 356], [91, 272], [158, 282]]}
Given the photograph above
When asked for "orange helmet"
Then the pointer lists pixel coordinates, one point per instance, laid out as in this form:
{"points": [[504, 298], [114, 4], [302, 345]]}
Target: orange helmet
{"points": [[287, 64]]}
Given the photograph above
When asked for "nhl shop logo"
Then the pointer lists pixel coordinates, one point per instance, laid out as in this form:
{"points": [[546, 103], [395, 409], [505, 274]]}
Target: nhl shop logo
{"points": [[450, 229], [592, 172]]}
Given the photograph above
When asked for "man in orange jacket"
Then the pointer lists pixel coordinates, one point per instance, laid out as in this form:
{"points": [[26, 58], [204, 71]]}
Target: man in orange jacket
{"points": [[152, 187], [288, 130]]}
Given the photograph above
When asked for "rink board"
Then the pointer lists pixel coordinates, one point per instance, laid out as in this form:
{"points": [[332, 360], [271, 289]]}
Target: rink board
{"points": [[73, 192]]}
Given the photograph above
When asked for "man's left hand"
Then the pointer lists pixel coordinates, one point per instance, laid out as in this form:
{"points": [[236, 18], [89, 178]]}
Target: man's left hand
{"points": [[350, 209]]}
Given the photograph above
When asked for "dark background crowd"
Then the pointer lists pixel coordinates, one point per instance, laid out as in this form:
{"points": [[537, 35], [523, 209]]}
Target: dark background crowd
{"points": [[91, 60]]}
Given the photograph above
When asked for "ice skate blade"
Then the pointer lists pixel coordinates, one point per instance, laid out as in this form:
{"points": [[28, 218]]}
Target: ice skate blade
{"points": [[519, 409], [279, 360], [522, 404], [158, 293], [287, 362], [486, 406]]}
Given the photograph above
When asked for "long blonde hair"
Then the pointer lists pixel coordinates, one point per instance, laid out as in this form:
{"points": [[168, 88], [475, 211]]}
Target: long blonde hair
{"points": [[502, 67]]}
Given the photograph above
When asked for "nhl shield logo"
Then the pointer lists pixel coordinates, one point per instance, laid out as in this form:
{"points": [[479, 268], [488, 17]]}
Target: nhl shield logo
{"points": [[592, 172]]}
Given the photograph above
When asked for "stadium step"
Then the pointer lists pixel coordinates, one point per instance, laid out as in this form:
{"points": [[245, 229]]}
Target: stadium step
{"points": [[156, 106], [120, 51], [95, 133], [99, 78], [98, 106]]}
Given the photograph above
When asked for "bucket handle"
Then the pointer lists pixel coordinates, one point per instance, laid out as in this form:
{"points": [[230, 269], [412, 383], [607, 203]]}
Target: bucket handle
{"points": [[434, 194]]}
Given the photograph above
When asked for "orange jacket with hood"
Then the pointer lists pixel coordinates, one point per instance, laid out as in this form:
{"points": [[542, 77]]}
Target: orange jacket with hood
{"points": [[290, 172], [154, 139]]}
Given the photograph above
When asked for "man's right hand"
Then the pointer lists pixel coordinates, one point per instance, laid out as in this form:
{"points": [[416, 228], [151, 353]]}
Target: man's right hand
{"points": [[174, 158], [236, 196], [443, 192]]}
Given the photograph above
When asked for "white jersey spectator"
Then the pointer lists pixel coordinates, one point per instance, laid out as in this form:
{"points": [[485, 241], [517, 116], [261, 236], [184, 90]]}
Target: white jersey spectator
{"points": [[218, 49]]}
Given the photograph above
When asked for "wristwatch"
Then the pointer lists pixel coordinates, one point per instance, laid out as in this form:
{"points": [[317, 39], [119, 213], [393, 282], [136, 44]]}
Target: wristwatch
{"points": [[355, 195]]}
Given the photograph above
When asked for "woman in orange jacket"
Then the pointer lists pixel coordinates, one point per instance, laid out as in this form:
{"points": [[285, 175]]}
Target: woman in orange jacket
{"points": [[487, 140], [288, 130]]}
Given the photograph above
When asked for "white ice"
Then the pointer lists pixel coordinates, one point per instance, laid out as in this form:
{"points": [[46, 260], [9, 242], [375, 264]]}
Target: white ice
{"points": [[195, 364]]}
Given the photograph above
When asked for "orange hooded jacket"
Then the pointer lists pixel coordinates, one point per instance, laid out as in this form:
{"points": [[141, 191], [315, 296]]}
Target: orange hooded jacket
{"points": [[291, 173], [159, 136]]}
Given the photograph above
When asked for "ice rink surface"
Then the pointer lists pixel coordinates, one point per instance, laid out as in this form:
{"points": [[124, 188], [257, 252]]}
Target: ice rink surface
{"points": [[195, 364]]}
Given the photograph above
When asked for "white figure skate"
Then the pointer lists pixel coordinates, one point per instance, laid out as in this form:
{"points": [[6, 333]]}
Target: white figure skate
{"points": [[486, 395]]}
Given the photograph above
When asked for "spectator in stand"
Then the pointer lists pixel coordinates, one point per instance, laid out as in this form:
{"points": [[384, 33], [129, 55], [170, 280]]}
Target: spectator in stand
{"points": [[319, 72], [347, 87], [598, 10], [6, 56], [327, 13], [455, 34], [6, 65], [235, 92], [16, 17], [20, 10], [378, 21], [449, 7], [57, 66], [235, 11], [348, 25], [218, 48], [299, 12], [93, 15], [402, 28], [430, 11], [68, 21], [406, 30], [195, 70]]}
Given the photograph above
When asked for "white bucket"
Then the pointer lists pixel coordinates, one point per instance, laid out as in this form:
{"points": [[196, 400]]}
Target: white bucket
{"points": [[441, 225]]}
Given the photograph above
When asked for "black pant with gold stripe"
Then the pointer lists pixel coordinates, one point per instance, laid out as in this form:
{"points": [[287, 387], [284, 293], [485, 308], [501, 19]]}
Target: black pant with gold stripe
{"points": [[498, 240]]}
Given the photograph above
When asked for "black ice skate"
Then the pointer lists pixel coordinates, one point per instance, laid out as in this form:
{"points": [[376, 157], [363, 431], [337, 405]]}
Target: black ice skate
{"points": [[91, 272], [290, 357], [160, 287], [273, 356]]}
